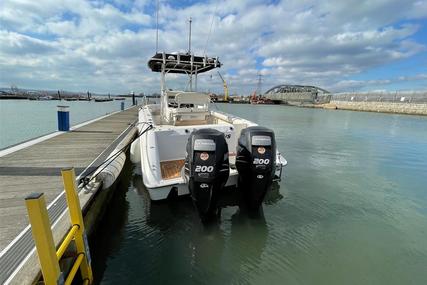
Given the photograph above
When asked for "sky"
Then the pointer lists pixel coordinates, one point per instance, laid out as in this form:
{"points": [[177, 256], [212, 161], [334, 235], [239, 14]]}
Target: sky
{"points": [[104, 46]]}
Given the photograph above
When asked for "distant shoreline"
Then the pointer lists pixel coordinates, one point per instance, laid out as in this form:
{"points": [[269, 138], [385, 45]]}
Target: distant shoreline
{"points": [[65, 97]]}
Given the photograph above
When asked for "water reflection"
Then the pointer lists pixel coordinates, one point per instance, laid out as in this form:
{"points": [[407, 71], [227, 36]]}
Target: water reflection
{"points": [[162, 214], [110, 233], [232, 245], [169, 210], [273, 194], [349, 201], [248, 240]]}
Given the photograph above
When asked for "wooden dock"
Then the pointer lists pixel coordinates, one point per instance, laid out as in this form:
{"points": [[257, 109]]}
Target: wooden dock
{"points": [[37, 168]]}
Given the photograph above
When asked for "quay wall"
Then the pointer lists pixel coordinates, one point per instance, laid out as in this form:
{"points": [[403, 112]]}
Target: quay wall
{"points": [[384, 107]]}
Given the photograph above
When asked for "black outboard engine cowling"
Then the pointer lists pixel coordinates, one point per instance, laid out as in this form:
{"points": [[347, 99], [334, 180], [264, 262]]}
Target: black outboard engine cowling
{"points": [[256, 163], [207, 169]]}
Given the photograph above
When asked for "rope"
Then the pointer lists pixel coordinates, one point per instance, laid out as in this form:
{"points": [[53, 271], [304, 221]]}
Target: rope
{"points": [[86, 179]]}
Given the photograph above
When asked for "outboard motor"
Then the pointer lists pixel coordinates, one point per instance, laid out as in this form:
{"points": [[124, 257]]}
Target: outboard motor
{"points": [[256, 163], [207, 170]]}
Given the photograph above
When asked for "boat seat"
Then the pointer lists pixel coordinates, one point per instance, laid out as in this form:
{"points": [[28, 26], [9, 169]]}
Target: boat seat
{"points": [[191, 122], [195, 98], [188, 107]]}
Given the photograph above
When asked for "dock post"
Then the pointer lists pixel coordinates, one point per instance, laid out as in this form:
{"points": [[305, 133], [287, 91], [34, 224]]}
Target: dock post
{"points": [[43, 239], [122, 106], [63, 118], [69, 179]]}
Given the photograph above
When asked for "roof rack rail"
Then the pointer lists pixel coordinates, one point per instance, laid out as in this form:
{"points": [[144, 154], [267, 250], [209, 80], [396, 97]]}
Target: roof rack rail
{"points": [[182, 63]]}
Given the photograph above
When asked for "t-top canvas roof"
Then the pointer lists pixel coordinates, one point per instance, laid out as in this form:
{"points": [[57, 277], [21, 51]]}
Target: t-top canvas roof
{"points": [[182, 63]]}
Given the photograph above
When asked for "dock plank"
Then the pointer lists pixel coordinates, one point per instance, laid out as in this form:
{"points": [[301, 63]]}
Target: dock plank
{"points": [[37, 168]]}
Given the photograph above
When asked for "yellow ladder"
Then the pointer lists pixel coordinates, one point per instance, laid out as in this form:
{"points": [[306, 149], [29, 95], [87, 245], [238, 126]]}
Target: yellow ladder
{"points": [[42, 234]]}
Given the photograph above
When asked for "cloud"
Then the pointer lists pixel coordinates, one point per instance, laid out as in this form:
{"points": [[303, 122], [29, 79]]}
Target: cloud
{"points": [[422, 76], [365, 85], [18, 44], [104, 47]]}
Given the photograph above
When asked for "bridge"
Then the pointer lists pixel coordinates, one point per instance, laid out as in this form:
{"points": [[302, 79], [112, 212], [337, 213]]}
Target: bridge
{"points": [[294, 94]]}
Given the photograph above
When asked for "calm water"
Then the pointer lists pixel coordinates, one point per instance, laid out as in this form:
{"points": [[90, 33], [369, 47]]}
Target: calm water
{"points": [[21, 120], [352, 209]]}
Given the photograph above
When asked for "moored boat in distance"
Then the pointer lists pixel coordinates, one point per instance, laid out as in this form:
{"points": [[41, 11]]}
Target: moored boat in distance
{"points": [[103, 99], [186, 148], [260, 100]]}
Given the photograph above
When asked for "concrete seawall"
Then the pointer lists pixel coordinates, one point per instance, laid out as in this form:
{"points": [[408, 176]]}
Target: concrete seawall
{"points": [[383, 107]]}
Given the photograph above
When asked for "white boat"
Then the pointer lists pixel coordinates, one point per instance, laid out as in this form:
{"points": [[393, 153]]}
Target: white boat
{"points": [[187, 148]]}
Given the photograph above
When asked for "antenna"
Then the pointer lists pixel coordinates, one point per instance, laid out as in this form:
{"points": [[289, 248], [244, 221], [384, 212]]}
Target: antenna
{"points": [[157, 26], [259, 84], [210, 29], [189, 37]]}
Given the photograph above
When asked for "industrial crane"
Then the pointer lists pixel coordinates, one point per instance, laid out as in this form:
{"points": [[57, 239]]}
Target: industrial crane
{"points": [[225, 87]]}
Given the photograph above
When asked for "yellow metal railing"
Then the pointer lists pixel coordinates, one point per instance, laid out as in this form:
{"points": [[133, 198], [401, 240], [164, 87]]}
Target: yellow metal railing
{"points": [[43, 238]]}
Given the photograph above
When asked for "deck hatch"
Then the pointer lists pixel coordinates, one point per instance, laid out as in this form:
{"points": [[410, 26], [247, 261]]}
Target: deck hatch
{"points": [[171, 169]]}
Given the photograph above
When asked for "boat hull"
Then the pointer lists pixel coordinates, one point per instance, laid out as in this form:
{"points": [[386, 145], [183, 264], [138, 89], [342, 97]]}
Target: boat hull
{"points": [[159, 151]]}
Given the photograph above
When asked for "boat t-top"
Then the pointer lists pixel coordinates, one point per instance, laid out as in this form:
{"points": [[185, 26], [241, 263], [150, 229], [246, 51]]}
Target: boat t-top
{"points": [[187, 148]]}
